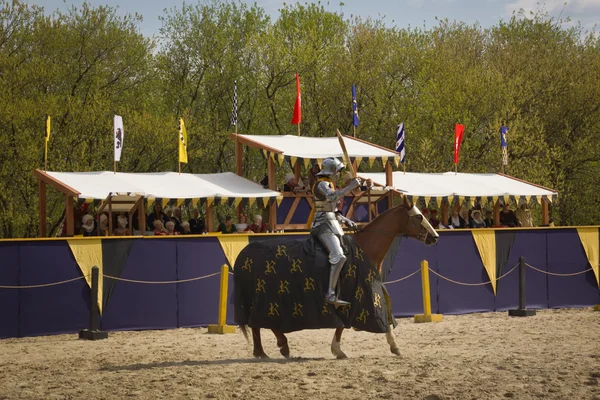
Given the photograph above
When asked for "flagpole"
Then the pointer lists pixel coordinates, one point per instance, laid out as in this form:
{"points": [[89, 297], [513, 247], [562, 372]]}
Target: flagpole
{"points": [[354, 134], [455, 169], [404, 168], [298, 128], [115, 166], [46, 156]]}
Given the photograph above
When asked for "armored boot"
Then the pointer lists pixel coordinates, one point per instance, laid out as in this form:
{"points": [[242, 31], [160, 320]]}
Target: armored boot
{"points": [[334, 274]]}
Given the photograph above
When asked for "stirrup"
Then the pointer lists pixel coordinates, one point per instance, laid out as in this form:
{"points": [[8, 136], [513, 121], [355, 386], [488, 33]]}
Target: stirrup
{"points": [[333, 299]]}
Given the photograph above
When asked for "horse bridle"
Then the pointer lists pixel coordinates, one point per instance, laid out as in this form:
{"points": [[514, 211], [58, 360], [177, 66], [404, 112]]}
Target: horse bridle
{"points": [[423, 233]]}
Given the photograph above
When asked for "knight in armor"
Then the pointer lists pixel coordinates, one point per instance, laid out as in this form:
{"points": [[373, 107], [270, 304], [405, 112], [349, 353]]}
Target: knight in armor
{"points": [[326, 225]]}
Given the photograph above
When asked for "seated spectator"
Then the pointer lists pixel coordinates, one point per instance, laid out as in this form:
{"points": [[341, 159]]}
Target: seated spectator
{"points": [[455, 220], [185, 226], [265, 182], [157, 214], [312, 175], [242, 226], [524, 216], [103, 226], [176, 217], [171, 229], [196, 224], [508, 217], [433, 219], [227, 226], [169, 213], [121, 229], [258, 226], [464, 217], [88, 225], [489, 219], [290, 184], [477, 221], [159, 228]]}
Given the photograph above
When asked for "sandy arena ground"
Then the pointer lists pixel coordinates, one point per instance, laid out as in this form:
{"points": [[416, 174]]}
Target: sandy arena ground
{"points": [[554, 355]]}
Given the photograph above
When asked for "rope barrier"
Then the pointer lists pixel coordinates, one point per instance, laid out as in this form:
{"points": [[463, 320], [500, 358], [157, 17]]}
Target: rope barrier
{"points": [[401, 279], [43, 285], [162, 282], [472, 284], [556, 273]]}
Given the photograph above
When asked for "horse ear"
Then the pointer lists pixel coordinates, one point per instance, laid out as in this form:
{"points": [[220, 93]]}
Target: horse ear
{"points": [[405, 201]]}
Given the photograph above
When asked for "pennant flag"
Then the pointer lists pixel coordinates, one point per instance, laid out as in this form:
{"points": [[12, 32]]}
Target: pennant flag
{"points": [[182, 142], [400, 142], [504, 145], [119, 135], [297, 118], [354, 106], [459, 130], [234, 110]]}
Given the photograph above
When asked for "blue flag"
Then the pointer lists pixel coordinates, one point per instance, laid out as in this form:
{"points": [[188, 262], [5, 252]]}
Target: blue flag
{"points": [[354, 106], [504, 145], [400, 142]]}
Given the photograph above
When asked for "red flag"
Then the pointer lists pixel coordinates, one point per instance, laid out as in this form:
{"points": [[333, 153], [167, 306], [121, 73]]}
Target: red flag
{"points": [[297, 118], [460, 129]]}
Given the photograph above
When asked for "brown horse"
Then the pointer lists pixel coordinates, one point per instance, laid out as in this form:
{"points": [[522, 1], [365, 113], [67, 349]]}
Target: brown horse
{"points": [[375, 240]]}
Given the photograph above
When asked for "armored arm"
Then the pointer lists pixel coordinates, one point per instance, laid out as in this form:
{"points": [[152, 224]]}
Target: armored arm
{"points": [[335, 195]]}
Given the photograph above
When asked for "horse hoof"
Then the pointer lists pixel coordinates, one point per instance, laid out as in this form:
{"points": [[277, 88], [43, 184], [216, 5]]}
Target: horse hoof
{"points": [[285, 351], [261, 356], [396, 351], [342, 356]]}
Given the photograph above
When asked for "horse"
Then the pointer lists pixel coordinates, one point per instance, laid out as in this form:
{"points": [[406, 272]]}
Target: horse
{"points": [[254, 309]]}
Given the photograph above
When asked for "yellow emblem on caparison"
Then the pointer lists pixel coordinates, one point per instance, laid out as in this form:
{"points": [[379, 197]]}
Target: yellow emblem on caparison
{"points": [[377, 301], [325, 310], [283, 287], [296, 265], [248, 264], [273, 309], [260, 286], [363, 316], [359, 293], [359, 254], [371, 277], [351, 271], [270, 267], [281, 251], [297, 310], [309, 284]]}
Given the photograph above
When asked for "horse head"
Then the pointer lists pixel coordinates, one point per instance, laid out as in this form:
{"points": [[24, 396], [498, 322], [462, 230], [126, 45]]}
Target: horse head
{"points": [[417, 226]]}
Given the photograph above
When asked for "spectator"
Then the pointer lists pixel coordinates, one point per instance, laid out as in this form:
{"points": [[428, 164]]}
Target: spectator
{"points": [[258, 226], [477, 221], [88, 225], [169, 214], [159, 228], [433, 219], [157, 214], [265, 182], [524, 216], [196, 224], [463, 214], [312, 175], [508, 217], [103, 226], [242, 226], [290, 183], [121, 229], [171, 229], [177, 219], [489, 219], [227, 226], [185, 226], [455, 220]]}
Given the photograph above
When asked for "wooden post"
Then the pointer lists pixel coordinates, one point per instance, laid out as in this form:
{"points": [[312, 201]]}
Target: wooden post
{"points": [[545, 212], [272, 186], [497, 213], [141, 216], [93, 333], [209, 219], [445, 206], [389, 181], [297, 174], [221, 326], [69, 215], [239, 153], [110, 216], [426, 316], [42, 205]]}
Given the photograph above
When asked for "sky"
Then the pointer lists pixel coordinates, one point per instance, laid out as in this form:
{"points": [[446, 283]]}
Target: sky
{"points": [[400, 13]]}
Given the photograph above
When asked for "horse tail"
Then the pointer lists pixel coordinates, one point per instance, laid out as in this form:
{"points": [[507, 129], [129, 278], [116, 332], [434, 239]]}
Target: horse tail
{"points": [[244, 329]]}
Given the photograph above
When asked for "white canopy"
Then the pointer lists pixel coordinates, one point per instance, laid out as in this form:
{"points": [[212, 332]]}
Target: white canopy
{"points": [[316, 147], [437, 185], [165, 185]]}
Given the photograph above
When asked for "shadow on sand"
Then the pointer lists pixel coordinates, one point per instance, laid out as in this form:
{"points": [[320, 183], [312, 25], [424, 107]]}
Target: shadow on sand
{"points": [[191, 363]]}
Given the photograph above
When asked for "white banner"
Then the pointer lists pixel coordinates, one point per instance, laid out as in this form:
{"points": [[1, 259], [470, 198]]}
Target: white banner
{"points": [[119, 134]]}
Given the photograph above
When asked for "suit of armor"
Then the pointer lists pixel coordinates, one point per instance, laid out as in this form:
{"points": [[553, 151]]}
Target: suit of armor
{"points": [[326, 225]]}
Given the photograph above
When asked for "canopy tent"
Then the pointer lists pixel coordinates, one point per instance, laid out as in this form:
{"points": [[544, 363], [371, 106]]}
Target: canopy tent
{"points": [[165, 187], [443, 188]]}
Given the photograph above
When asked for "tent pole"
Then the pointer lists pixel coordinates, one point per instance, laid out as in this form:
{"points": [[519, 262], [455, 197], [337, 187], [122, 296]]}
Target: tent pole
{"points": [[42, 205]]}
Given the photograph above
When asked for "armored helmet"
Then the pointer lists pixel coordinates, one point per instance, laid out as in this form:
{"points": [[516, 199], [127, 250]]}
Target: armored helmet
{"points": [[330, 166]]}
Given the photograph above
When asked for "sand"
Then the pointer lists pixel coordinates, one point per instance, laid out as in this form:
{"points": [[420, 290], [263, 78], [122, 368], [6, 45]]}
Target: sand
{"points": [[554, 355]]}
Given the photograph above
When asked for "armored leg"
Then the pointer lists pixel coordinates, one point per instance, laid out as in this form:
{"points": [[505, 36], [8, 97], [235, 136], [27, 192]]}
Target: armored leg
{"points": [[337, 260]]}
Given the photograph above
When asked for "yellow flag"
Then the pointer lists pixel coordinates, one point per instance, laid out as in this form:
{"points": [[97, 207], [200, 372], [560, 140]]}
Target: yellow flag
{"points": [[47, 128], [182, 142]]}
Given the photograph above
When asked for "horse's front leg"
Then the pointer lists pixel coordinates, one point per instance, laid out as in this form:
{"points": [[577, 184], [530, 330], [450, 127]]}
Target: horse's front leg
{"points": [[335, 344], [282, 343], [258, 349], [391, 339]]}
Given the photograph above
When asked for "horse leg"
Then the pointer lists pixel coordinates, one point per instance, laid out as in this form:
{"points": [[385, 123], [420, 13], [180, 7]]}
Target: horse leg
{"points": [[282, 343], [258, 349], [391, 339], [335, 344]]}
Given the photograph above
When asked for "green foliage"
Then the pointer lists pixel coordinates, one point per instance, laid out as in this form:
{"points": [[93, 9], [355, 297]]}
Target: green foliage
{"points": [[84, 65]]}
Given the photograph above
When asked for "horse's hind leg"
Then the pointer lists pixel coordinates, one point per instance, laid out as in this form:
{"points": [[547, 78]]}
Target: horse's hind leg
{"points": [[391, 339], [282, 343], [335, 344], [258, 349]]}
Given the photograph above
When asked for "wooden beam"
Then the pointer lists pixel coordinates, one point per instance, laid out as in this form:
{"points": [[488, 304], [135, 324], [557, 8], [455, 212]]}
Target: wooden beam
{"points": [[497, 213], [444, 213], [545, 212], [55, 183], [209, 219], [42, 206], [389, 176], [110, 216], [273, 215], [271, 174], [239, 153], [141, 216], [69, 215], [251, 143], [292, 210]]}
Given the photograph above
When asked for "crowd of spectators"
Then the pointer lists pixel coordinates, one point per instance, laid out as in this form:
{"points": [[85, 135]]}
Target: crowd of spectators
{"points": [[480, 218]]}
